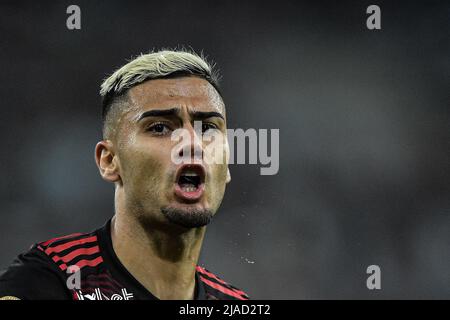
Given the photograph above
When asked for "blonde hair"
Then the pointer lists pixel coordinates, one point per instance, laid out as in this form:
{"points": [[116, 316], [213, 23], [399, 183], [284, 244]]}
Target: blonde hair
{"points": [[155, 65]]}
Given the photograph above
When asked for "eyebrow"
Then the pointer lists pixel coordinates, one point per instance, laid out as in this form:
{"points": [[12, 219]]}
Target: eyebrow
{"points": [[159, 113], [175, 111], [206, 115]]}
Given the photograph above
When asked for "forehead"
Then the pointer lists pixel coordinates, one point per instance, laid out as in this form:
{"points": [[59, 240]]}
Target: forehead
{"points": [[191, 92]]}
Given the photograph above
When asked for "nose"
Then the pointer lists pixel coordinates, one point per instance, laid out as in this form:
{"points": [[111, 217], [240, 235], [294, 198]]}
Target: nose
{"points": [[193, 148]]}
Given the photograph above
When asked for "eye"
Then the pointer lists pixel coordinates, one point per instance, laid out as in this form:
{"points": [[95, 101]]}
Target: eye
{"points": [[207, 126], [159, 129]]}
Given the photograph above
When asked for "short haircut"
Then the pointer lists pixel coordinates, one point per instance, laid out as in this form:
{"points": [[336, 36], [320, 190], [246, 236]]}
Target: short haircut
{"points": [[154, 65]]}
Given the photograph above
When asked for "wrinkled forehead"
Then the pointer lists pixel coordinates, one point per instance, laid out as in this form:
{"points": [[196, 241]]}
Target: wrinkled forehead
{"points": [[192, 92]]}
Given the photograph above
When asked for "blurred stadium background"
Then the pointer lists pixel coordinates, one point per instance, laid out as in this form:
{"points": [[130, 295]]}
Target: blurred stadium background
{"points": [[364, 135]]}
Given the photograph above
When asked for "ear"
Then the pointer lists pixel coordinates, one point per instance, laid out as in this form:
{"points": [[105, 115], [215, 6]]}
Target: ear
{"points": [[228, 175], [107, 161]]}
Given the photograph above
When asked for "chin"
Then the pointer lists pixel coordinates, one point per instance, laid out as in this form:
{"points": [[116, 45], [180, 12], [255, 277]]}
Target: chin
{"points": [[188, 216]]}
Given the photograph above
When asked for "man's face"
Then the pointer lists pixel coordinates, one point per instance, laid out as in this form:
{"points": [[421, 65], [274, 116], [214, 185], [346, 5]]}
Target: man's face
{"points": [[160, 190]]}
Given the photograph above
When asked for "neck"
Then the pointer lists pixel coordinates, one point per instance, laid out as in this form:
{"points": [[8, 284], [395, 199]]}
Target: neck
{"points": [[163, 261]]}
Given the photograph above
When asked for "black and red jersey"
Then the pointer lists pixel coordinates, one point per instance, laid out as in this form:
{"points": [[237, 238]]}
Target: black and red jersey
{"points": [[47, 271]]}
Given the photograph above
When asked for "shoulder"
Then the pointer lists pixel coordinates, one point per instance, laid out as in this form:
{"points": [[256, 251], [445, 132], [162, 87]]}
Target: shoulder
{"points": [[218, 289], [40, 273], [31, 276], [79, 249]]}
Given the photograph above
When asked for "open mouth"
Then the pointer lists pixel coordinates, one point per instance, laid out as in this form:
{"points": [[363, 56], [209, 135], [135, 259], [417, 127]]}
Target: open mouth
{"points": [[190, 182]]}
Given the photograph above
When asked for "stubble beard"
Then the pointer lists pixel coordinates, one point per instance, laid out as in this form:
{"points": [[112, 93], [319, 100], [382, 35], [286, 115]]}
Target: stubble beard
{"points": [[188, 218]]}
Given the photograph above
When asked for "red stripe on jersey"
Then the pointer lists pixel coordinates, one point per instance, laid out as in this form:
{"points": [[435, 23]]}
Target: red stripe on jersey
{"points": [[90, 263], [62, 266], [222, 289], [83, 263], [70, 244], [105, 277], [211, 275], [78, 252], [59, 238]]}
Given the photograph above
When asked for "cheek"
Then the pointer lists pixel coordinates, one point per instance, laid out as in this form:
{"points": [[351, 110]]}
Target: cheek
{"points": [[219, 178], [143, 167], [217, 186]]}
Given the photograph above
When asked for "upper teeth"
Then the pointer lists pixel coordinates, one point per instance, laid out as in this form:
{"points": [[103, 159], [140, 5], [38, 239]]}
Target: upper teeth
{"points": [[190, 174]]}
